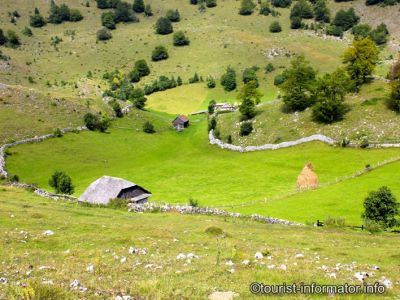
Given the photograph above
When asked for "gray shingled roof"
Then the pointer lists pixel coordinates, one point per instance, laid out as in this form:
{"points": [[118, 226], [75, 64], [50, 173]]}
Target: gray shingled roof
{"points": [[104, 189]]}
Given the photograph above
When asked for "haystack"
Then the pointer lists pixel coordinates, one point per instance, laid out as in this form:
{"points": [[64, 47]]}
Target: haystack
{"points": [[307, 179]]}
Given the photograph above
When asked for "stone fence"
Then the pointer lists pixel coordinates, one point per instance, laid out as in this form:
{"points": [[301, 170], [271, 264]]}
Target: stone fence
{"points": [[186, 209], [316, 137], [36, 139], [43, 193]]}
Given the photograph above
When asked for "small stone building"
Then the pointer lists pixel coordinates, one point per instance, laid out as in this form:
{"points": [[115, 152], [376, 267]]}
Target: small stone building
{"points": [[180, 122], [106, 188]]}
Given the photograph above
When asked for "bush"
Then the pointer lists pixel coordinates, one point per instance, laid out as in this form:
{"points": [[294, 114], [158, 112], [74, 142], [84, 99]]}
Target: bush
{"points": [[75, 15], [37, 21], [302, 9], [214, 230], [118, 203], [148, 127], [173, 15], [295, 23], [275, 27], [281, 78], [159, 53], [281, 3], [103, 34], [246, 7], [148, 12], [116, 108], [13, 39], [3, 38], [211, 3], [194, 79], [328, 110], [180, 39], [124, 13], [334, 30], [57, 132], [381, 207], [99, 122], [361, 30], [193, 202], [142, 68], [269, 68], [246, 128], [211, 107], [138, 6], [334, 222], [27, 31], [13, 178], [346, 19], [265, 10], [373, 226], [213, 122], [211, 82], [61, 183], [108, 20], [164, 26]]}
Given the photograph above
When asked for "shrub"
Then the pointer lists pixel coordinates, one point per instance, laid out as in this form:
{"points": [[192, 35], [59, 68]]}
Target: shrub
{"points": [[57, 132], [380, 34], [214, 230], [103, 34], [346, 19], [27, 31], [180, 39], [321, 11], [116, 108], [193, 202], [211, 107], [249, 74], [364, 143], [269, 68], [142, 68], [334, 222], [281, 3], [108, 20], [13, 178], [13, 39], [159, 53], [118, 203], [246, 128], [213, 123], [164, 26], [61, 183], [194, 79], [138, 98], [361, 30], [124, 13], [37, 21], [211, 82], [334, 30], [302, 9], [138, 6], [148, 127], [99, 122], [246, 7], [281, 78], [211, 3], [173, 15], [229, 139], [265, 10], [381, 206], [372, 226], [295, 23], [3, 38], [148, 12], [275, 27], [75, 15]]}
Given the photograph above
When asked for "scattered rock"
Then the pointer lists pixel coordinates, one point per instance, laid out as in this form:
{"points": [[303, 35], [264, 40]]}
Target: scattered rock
{"points": [[181, 256], [386, 282], [246, 262], [123, 260], [48, 232], [299, 255], [229, 263], [283, 267], [223, 295], [258, 255], [90, 269], [75, 284], [3, 280]]}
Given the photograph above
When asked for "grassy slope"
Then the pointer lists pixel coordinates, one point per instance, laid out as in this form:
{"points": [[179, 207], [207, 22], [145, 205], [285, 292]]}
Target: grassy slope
{"points": [[101, 237], [176, 166], [368, 116]]}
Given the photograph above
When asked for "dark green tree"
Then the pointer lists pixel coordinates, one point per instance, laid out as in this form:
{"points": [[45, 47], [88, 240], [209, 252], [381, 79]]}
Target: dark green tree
{"points": [[211, 3], [380, 35], [299, 85], [249, 96], [3, 38], [211, 82], [321, 11], [61, 183], [211, 107], [295, 22], [124, 13], [13, 39], [249, 74], [265, 9], [75, 15], [116, 108], [108, 20], [27, 31], [246, 128], [381, 206], [281, 3], [37, 21], [361, 31], [142, 68], [330, 94], [159, 53], [179, 81], [55, 16], [164, 26], [302, 9], [346, 19], [334, 30], [180, 39], [148, 127], [246, 7], [138, 6], [228, 80]]}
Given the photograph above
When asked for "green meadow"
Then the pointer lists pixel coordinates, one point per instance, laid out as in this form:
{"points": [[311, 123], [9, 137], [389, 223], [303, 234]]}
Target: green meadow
{"points": [[101, 238], [176, 166]]}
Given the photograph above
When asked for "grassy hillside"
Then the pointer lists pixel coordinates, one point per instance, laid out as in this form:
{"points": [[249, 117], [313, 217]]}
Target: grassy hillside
{"points": [[101, 237], [177, 166], [368, 117]]}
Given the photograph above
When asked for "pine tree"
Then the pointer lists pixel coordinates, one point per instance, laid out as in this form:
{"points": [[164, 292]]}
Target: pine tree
{"points": [[138, 6], [228, 80]]}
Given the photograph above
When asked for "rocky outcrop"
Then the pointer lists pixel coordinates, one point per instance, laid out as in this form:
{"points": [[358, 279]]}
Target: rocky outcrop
{"points": [[186, 209]]}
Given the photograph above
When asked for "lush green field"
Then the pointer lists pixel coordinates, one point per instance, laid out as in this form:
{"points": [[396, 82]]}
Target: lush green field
{"points": [[177, 166], [86, 236]]}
